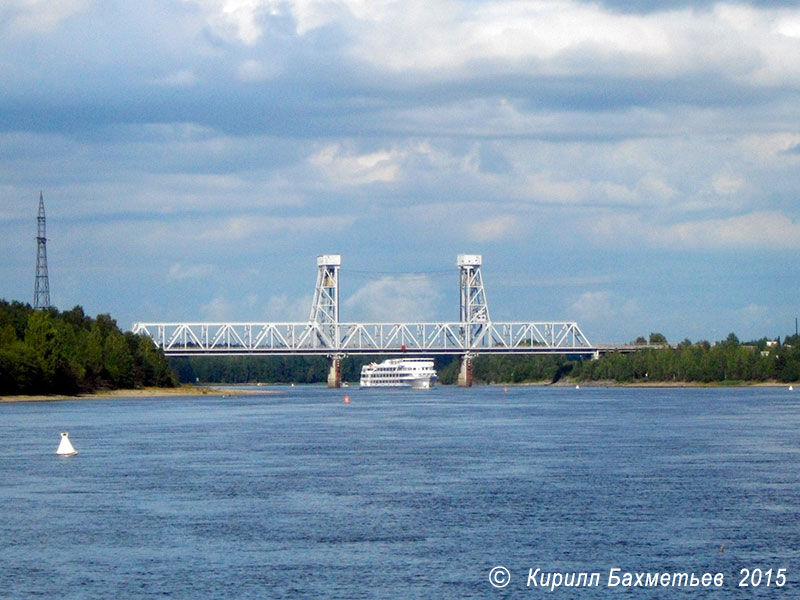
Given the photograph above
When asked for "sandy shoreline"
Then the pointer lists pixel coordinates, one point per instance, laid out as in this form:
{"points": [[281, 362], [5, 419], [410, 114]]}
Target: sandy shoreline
{"points": [[185, 390], [193, 390]]}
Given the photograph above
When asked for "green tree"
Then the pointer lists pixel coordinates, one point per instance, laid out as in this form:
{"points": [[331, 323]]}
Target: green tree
{"points": [[94, 361], [8, 335], [154, 366], [42, 338], [20, 371], [117, 360]]}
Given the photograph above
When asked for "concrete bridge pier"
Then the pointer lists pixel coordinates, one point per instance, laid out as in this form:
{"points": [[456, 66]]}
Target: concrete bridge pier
{"points": [[335, 371], [465, 371]]}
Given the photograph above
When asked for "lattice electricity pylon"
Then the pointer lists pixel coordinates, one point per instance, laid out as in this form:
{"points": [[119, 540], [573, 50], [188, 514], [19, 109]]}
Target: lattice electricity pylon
{"points": [[325, 308], [474, 307], [41, 291]]}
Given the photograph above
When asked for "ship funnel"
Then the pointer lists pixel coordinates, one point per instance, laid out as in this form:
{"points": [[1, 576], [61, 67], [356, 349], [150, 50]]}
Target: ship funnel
{"points": [[65, 447]]}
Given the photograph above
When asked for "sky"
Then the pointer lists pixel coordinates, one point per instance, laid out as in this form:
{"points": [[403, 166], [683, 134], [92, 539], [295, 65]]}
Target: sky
{"points": [[631, 166]]}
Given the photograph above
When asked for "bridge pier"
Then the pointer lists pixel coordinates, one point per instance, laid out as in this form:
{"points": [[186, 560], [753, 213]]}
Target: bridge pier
{"points": [[335, 371], [465, 371]]}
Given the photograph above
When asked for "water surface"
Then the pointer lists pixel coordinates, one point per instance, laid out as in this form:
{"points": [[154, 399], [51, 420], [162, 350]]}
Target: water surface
{"points": [[398, 494]]}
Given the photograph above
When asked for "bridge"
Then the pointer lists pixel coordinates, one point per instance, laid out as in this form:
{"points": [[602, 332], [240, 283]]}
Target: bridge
{"points": [[323, 334]]}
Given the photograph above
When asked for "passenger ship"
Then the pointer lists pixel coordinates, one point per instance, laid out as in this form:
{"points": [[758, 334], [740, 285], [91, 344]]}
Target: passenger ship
{"points": [[417, 373]]}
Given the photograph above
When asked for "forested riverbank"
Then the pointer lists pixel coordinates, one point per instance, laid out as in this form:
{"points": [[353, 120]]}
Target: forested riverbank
{"points": [[52, 352], [701, 363], [725, 362]]}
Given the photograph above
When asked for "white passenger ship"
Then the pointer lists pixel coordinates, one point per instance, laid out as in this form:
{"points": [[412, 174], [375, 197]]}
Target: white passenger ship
{"points": [[417, 373]]}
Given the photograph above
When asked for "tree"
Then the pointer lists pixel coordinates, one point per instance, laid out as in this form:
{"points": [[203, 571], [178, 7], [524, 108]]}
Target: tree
{"points": [[45, 351], [731, 340], [94, 343], [8, 335], [41, 336], [117, 360]]}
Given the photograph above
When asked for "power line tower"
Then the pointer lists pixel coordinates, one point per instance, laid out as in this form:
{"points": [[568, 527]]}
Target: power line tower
{"points": [[41, 292]]}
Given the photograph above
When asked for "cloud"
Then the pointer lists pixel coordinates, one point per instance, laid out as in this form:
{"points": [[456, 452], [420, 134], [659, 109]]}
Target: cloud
{"points": [[348, 67], [19, 18], [218, 308], [180, 78], [283, 308], [762, 230], [256, 71], [754, 315], [494, 229], [205, 133], [726, 184], [450, 39], [180, 272], [346, 168], [238, 20], [789, 26], [394, 299], [249, 226], [768, 147], [603, 306]]}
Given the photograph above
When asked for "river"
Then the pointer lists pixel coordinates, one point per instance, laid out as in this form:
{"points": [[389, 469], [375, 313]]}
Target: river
{"points": [[402, 494]]}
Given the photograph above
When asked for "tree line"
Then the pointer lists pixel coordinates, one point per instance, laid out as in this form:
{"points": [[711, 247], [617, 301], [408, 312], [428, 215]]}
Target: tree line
{"points": [[727, 361], [701, 362], [47, 351], [52, 352]]}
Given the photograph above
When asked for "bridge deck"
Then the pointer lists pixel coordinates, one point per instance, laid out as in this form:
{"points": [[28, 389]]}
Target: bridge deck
{"points": [[189, 339]]}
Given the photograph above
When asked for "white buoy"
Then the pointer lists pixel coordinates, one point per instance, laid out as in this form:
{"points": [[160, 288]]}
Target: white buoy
{"points": [[791, 389], [65, 447], [577, 387]]}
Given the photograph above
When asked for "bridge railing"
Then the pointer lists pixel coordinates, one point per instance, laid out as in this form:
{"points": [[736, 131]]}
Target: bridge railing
{"points": [[366, 338]]}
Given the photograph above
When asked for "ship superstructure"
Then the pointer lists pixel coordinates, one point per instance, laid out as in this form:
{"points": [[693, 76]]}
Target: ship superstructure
{"points": [[417, 373]]}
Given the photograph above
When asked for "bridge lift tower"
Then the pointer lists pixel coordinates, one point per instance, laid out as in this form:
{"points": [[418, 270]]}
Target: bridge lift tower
{"points": [[474, 309], [324, 316]]}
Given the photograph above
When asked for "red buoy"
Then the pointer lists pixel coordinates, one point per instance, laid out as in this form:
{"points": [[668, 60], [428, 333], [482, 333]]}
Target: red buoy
{"points": [[347, 399]]}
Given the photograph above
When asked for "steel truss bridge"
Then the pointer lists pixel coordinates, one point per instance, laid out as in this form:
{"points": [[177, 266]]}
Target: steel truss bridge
{"points": [[186, 339], [323, 334]]}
